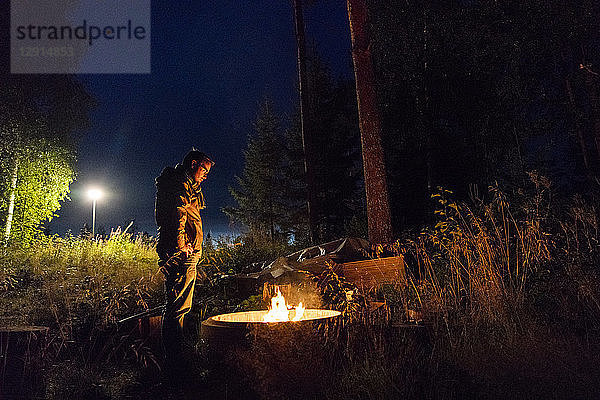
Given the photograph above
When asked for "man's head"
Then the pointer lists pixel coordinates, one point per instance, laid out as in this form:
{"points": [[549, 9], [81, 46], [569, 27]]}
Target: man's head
{"points": [[197, 165]]}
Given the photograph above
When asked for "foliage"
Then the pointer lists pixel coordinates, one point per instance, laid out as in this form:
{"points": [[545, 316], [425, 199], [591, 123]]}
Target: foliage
{"points": [[333, 119], [79, 289], [260, 188], [334, 114], [39, 120], [474, 92], [478, 261], [493, 284], [252, 303], [340, 294], [238, 254], [45, 171], [57, 280], [271, 193]]}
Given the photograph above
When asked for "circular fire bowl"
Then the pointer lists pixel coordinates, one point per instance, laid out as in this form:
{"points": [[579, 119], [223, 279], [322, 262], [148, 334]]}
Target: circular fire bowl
{"points": [[234, 326]]}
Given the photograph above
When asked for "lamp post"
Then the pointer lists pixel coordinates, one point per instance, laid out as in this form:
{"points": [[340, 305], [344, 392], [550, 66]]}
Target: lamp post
{"points": [[94, 194]]}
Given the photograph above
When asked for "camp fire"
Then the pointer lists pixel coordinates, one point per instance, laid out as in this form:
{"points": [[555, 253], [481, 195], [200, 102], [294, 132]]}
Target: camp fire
{"points": [[279, 310]]}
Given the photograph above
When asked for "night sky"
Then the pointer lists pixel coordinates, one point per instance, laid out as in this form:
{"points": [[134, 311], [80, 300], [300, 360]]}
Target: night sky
{"points": [[213, 62]]}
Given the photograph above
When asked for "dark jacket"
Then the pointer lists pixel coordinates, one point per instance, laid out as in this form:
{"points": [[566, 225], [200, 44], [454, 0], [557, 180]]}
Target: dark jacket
{"points": [[177, 211]]}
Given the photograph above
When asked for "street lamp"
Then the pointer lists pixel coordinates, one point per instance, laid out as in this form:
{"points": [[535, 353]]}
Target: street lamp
{"points": [[94, 194]]}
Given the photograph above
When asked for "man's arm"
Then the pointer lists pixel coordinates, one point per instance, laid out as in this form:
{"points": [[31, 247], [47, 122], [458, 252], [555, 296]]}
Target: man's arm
{"points": [[182, 206]]}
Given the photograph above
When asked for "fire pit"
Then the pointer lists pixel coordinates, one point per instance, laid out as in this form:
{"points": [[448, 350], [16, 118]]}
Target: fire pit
{"points": [[234, 326]]}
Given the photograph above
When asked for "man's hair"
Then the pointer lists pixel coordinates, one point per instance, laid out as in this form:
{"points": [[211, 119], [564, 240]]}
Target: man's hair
{"points": [[195, 155]]}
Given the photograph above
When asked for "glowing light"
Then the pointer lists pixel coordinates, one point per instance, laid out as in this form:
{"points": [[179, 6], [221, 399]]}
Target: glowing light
{"points": [[95, 194], [279, 311], [299, 312]]}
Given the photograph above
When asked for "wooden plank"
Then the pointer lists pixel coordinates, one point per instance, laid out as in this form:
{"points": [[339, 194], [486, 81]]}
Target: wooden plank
{"points": [[369, 274]]}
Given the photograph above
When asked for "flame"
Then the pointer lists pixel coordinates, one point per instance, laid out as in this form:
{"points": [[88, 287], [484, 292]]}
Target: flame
{"points": [[280, 311], [299, 312]]}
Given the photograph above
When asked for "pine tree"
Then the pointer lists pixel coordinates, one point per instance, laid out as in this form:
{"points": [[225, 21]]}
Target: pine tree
{"points": [[295, 188], [260, 191]]}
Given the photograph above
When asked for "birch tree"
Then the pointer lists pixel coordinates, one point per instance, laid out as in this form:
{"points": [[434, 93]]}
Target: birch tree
{"points": [[40, 120]]}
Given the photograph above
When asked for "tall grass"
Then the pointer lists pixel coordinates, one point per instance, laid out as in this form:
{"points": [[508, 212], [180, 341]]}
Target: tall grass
{"points": [[80, 288], [45, 283], [509, 292], [477, 262]]}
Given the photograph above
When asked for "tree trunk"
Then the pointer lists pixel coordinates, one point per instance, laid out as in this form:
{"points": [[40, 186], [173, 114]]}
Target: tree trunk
{"points": [[305, 122], [11, 201], [271, 223], [595, 105], [578, 128], [378, 208], [424, 111]]}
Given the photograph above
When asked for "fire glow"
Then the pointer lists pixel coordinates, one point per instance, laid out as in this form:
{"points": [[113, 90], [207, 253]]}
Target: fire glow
{"points": [[280, 311]]}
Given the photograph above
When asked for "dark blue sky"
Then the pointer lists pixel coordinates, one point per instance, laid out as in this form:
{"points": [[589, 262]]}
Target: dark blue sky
{"points": [[212, 64]]}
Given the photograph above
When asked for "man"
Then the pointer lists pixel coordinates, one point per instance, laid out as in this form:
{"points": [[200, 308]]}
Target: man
{"points": [[179, 200]]}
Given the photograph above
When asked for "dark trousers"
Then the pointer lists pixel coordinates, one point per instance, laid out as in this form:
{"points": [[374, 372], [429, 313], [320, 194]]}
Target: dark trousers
{"points": [[180, 273]]}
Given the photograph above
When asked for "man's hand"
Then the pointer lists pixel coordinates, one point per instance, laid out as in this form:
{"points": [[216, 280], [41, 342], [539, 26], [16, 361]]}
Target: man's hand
{"points": [[188, 250]]}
